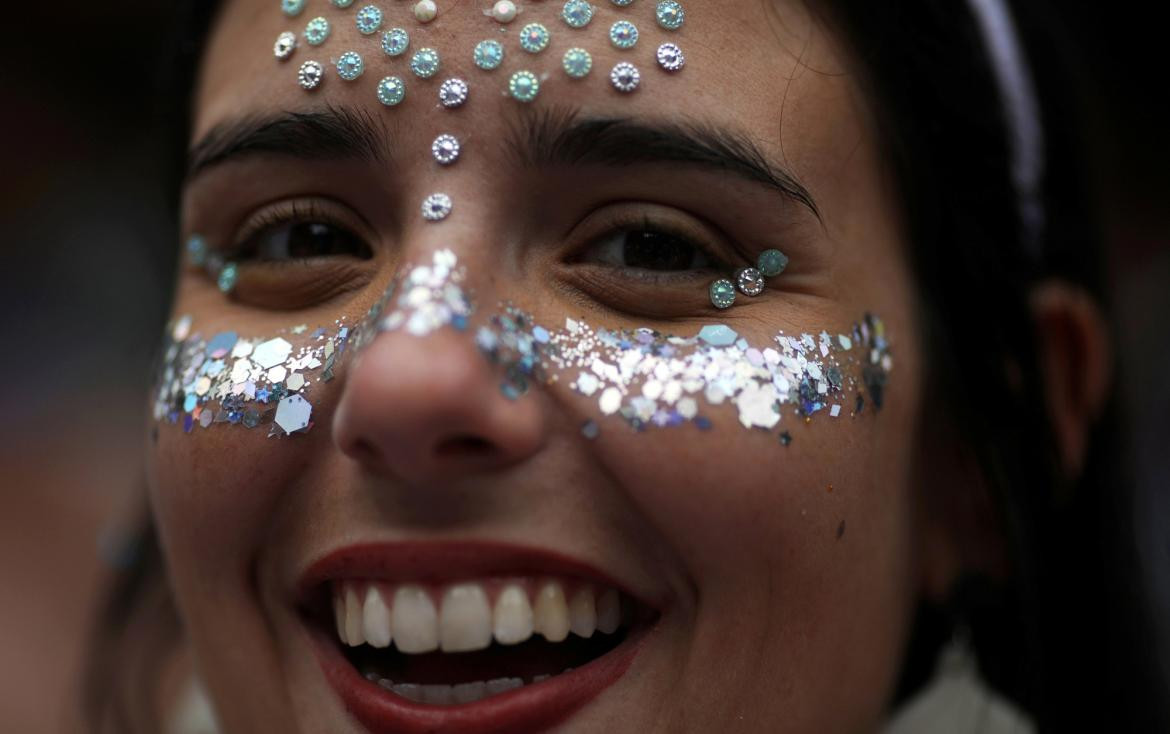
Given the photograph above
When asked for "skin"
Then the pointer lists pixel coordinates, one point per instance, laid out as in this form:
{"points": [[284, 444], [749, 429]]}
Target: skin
{"points": [[772, 620]]}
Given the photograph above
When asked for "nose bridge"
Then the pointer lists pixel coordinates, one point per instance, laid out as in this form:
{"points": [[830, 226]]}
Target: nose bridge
{"points": [[421, 401]]}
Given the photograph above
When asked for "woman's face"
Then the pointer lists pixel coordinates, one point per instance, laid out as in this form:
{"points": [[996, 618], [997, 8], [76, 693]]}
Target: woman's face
{"points": [[763, 547]]}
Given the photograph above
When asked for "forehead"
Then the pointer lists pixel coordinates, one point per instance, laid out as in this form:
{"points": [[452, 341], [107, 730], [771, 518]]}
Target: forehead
{"points": [[765, 68]]}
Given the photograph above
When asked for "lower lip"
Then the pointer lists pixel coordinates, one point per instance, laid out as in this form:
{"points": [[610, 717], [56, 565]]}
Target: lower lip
{"points": [[527, 710]]}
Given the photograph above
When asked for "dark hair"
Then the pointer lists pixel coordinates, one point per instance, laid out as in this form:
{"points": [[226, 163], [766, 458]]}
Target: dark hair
{"points": [[1063, 637]]}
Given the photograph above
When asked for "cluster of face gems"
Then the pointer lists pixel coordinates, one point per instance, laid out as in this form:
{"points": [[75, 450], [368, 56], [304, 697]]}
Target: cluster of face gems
{"points": [[453, 93], [310, 75], [748, 281], [436, 207], [445, 149], [523, 85]]}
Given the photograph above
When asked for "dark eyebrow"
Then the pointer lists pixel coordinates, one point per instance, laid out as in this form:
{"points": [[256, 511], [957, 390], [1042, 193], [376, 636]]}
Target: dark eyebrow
{"points": [[329, 133], [559, 136]]}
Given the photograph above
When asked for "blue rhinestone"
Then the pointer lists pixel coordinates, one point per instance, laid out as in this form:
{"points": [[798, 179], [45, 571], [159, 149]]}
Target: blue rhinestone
{"points": [[190, 403], [577, 62], [342, 3], [534, 38], [524, 86], [369, 19], [395, 41], [771, 263], [670, 15], [722, 294], [623, 34], [489, 54], [350, 66], [391, 91], [425, 62], [292, 7], [227, 278], [577, 13], [317, 31], [197, 250]]}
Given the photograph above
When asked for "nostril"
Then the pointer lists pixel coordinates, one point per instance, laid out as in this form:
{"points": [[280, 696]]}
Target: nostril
{"points": [[464, 446]]}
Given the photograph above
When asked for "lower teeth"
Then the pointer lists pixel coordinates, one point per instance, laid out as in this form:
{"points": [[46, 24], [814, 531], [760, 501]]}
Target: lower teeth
{"points": [[444, 695]]}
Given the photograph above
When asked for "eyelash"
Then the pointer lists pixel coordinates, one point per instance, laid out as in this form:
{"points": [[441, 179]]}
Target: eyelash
{"points": [[269, 220]]}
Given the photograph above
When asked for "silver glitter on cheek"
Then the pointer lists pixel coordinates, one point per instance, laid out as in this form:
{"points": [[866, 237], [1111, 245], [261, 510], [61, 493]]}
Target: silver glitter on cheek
{"points": [[430, 297]]}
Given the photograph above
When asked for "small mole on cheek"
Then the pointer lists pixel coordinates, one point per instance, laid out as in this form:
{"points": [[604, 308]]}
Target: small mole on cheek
{"points": [[829, 488], [840, 530]]}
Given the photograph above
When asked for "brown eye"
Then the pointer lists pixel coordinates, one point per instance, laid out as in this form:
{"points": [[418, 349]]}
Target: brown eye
{"points": [[304, 240], [646, 249]]}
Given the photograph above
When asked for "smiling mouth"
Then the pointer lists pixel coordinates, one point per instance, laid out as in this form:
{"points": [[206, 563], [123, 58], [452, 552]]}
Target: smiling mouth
{"points": [[467, 641]]}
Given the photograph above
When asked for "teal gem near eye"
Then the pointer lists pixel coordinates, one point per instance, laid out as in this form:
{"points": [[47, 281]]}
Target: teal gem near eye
{"points": [[489, 54], [368, 19], [395, 41], [577, 63], [350, 66], [722, 293], [425, 63], [292, 7], [197, 250], [534, 38], [317, 31], [577, 13], [670, 15], [227, 278], [623, 34], [771, 263], [391, 91], [524, 86]]}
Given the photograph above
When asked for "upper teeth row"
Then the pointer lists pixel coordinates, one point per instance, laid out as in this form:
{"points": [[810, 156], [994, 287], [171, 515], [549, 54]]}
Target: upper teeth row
{"points": [[378, 614]]}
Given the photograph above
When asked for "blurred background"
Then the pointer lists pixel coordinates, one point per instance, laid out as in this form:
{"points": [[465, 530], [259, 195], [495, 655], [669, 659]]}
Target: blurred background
{"points": [[89, 250]]}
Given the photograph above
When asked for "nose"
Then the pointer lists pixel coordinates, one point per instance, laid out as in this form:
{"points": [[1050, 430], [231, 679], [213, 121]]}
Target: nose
{"points": [[426, 409]]}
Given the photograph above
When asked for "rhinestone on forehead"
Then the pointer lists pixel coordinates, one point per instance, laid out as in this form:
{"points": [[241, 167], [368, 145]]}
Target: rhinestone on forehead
{"points": [[670, 57], [310, 74], [292, 7], [391, 91], [504, 11], [395, 41], [425, 62], [723, 293], [368, 19], [670, 15], [436, 207], [425, 11], [342, 3], [625, 77], [489, 54], [534, 38], [350, 66], [453, 93], [622, 3], [623, 34], [317, 31], [577, 63], [285, 44], [446, 149], [524, 86], [577, 13]]}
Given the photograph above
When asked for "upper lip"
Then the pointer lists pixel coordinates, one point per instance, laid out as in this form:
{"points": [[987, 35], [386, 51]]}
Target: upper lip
{"points": [[447, 561]]}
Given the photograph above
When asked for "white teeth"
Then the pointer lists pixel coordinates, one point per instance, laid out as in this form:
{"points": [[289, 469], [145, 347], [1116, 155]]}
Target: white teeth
{"points": [[582, 613], [376, 618], [414, 621], [609, 612], [408, 691], [437, 694], [512, 620], [353, 617], [339, 615], [551, 613], [503, 685], [465, 623]]}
